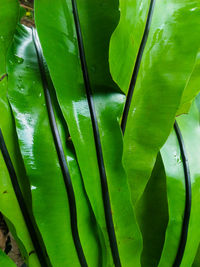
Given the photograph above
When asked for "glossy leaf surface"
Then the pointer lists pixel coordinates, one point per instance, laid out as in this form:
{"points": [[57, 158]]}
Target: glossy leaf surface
{"points": [[61, 51], [152, 215], [192, 88], [190, 128], [126, 39], [171, 157], [9, 13], [167, 63], [41, 161], [8, 201]]}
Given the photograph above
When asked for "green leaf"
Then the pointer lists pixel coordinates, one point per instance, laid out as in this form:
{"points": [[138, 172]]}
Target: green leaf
{"points": [[126, 39], [8, 200], [192, 88], [152, 215], [166, 64], [58, 36], [9, 13], [190, 129], [5, 260], [196, 262], [171, 157], [49, 196]]}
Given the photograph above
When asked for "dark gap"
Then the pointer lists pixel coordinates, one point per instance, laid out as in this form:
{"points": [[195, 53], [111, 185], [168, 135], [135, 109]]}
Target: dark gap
{"points": [[27, 3], [3, 228], [9, 243], [27, 13], [18, 252]]}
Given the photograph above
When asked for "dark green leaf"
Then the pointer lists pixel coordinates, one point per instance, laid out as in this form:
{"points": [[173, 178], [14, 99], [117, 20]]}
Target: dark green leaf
{"points": [[152, 215]]}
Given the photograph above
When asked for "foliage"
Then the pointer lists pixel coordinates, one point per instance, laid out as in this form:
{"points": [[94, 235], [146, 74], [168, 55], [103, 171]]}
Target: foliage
{"points": [[93, 173]]}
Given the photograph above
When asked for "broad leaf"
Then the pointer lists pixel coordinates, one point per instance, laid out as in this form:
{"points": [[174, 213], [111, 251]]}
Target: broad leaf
{"points": [[9, 205], [9, 13], [164, 63], [192, 88], [51, 206], [152, 215], [189, 127], [97, 157], [171, 157], [126, 39]]}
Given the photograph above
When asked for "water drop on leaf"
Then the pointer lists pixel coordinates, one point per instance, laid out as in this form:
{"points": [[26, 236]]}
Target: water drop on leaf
{"points": [[19, 60]]}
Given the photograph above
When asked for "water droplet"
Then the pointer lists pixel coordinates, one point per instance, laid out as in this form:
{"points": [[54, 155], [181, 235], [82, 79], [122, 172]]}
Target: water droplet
{"points": [[177, 158], [179, 161], [19, 60], [193, 9], [134, 110], [2, 38], [33, 187]]}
